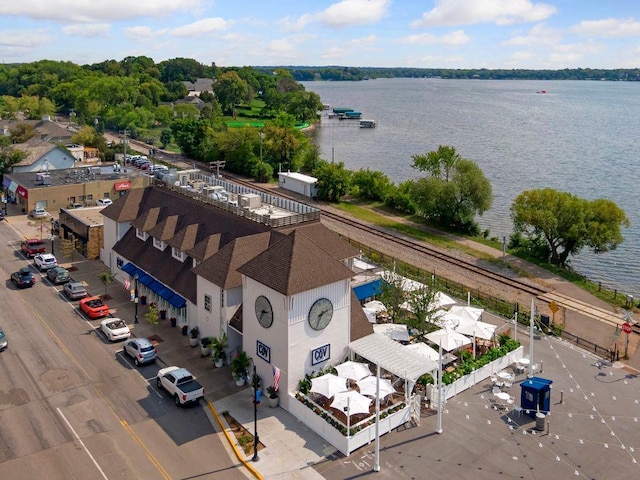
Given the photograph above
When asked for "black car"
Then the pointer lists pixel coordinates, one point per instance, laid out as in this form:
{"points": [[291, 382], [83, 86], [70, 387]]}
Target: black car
{"points": [[23, 278]]}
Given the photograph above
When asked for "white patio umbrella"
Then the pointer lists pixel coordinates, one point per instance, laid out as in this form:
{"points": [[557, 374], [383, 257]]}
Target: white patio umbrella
{"points": [[478, 329], [368, 386], [328, 385], [353, 370], [375, 305], [449, 339], [424, 349], [447, 319], [351, 402], [441, 300], [395, 331], [371, 315], [466, 312]]}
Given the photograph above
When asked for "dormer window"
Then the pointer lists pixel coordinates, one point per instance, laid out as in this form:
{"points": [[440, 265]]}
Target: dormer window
{"points": [[177, 254], [141, 235], [159, 244]]}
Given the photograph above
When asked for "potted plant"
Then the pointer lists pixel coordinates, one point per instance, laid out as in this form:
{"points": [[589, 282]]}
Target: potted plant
{"points": [[194, 333], [174, 321], [272, 396], [205, 346], [218, 354], [239, 366]]}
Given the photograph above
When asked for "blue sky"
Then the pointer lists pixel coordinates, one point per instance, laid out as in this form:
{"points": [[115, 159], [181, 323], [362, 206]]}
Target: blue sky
{"points": [[545, 34]]}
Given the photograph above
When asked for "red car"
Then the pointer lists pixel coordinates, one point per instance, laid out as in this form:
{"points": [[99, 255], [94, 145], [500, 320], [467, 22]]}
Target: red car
{"points": [[32, 247], [94, 307]]}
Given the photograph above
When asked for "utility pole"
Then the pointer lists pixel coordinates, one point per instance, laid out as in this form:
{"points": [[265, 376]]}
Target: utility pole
{"points": [[218, 164], [125, 133]]}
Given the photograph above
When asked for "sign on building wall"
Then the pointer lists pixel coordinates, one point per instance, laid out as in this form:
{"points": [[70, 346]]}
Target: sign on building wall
{"points": [[263, 351], [320, 354]]}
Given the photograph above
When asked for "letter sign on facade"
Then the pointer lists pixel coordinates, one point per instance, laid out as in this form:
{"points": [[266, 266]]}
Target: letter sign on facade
{"points": [[263, 351], [320, 354]]}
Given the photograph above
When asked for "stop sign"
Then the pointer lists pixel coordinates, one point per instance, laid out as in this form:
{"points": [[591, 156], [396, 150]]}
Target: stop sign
{"points": [[626, 328]]}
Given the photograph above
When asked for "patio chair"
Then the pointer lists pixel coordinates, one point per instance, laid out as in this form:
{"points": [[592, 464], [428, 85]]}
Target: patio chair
{"points": [[495, 390], [507, 384], [494, 380]]}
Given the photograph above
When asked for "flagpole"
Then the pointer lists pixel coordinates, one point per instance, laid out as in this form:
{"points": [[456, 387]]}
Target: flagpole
{"points": [[376, 463], [530, 374], [439, 429]]}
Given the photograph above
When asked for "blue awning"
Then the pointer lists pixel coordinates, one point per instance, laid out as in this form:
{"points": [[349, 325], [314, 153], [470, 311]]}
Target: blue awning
{"points": [[166, 293], [130, 268], [177, 301], [156, 286], [368, 290], [145, 279]]}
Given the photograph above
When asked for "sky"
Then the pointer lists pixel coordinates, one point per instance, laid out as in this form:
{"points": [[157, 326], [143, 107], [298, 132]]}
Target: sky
{"points": [[547, 34]]}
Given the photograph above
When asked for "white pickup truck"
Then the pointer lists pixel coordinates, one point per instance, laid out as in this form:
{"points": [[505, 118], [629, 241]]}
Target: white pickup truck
{"points": [[180, 384]]}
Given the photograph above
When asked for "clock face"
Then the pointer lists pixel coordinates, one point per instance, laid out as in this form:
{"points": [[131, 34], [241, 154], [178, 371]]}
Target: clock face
{"points": [[320, 314], [264, 312]]}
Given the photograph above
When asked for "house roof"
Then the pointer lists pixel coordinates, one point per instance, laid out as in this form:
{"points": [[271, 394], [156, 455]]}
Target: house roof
{"points": [[35, 150], [185, 239], [360, 325], [206, 247], [329, 240], [295, 264]]}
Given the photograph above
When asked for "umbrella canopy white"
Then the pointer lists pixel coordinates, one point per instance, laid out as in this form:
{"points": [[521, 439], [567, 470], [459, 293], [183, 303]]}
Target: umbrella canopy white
{"points": [[449, 339], [351, 402], [395, 331], [447, 319], [353, 370], [367, 386], [476, 329], [376, 306], [371, 315], [441, 300], [424, 349], [466, 312], [328, 385]]}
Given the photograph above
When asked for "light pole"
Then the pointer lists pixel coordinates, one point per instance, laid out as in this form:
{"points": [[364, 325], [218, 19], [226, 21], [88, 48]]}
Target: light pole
{"points": [[261, 136], [135, 297], [255, 413]]}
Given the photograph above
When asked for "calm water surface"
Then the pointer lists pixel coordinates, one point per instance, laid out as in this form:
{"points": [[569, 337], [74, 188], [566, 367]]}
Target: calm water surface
{"points": [[579, 137]]}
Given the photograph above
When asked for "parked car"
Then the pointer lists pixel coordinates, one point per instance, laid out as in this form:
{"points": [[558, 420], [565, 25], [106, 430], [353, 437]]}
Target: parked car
{"points": [[103, 202], [45, 261], [32, 247], [3, 340], [180, 384], [39, 213], [75, 205], [94, 307], [58, 275], [141, 350], [23, 278], [74, 290], [115, 329]]}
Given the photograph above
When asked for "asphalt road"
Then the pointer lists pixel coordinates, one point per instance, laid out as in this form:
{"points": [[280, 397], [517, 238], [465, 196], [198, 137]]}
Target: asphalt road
{"points": [[73, 406]]}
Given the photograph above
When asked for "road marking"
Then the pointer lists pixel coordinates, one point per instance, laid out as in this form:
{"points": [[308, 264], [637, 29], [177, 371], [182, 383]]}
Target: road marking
{"points": [[75, 434]]}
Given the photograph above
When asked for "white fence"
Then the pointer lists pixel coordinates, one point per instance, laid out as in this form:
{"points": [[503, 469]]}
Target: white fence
{"points": [[474, 377], [342, 443]]}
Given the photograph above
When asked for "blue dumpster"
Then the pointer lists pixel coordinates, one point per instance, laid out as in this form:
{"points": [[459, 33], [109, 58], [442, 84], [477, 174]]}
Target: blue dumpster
{"points": [[535, 395]]}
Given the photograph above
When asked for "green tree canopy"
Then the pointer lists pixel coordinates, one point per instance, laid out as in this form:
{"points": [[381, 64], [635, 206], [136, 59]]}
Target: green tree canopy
{"points": [[333, 180], [566, 223], [455, 191], [230, 90]]}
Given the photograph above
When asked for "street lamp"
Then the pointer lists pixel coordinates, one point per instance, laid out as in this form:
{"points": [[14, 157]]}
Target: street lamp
{"points": [[135, 297], [255, 414]]}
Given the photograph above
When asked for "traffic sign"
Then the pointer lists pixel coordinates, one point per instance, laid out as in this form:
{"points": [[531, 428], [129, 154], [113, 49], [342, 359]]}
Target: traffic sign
{"points": [[626, 328], [553, 306]]}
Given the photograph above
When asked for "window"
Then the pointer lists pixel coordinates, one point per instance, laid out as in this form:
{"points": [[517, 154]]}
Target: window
{"points": [[159, 244], [177, 254], [119, 262], [207, 302], [140, 234]]}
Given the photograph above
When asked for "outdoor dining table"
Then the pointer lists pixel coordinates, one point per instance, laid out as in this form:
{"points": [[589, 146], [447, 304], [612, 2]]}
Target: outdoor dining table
{"points": [[505, 376]]}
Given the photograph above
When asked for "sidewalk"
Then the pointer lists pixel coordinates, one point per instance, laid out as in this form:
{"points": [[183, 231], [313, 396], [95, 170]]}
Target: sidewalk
{"points": [[290, 448]]}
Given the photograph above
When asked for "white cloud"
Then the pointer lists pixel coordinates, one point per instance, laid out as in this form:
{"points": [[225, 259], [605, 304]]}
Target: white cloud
{"points": [[282, 48], [457, 37], [89, 30], [85, 11], [201, 27], [343, 14], [449, 13], [609, 27], [24, 39], [139, 33], [539, 34], [335, 52]]}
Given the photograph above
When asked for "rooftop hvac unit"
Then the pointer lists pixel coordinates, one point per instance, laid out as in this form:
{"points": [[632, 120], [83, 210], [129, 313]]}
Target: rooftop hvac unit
{"points": [[212, 189], [249, 200]]}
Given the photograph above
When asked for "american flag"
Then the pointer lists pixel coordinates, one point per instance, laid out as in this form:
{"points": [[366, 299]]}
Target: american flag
{"points": [[127, 284], [276, 377]]}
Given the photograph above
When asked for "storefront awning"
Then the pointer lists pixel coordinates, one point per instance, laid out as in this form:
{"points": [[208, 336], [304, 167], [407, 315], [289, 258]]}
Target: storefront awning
{"points": [[155, 286], [177, 301]]}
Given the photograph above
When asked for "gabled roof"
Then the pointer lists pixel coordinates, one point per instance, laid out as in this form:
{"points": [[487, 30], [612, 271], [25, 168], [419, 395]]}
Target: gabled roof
{"points": [[35, 150], [185, 239], [206, 247], [295, 264], [148, 220], [221, 268], [125, 208], [360, 325], [165, 229], [329, 240]]}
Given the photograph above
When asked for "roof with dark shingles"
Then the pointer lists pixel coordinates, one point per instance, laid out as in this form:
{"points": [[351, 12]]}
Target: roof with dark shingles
{"points": [[206, 247], [330, 241], [295, 264], [165, 229], [148, 220], [221, 269], [35, 149], [360, 325], [185, 239], [125, 208]]}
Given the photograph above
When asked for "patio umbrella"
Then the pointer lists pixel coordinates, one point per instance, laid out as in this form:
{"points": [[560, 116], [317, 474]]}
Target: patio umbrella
{"points": [[441, 300], [375, 305], [353, 370], [328, 385], [466, 312], [424, 349], [371, 314], [482, 330], [395, 331], [448, 319], [351, 402], [448, 339], [368, 386]]}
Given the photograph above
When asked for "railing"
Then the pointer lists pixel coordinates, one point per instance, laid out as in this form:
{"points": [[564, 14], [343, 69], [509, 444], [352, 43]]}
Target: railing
{"points": [[612, 355]]}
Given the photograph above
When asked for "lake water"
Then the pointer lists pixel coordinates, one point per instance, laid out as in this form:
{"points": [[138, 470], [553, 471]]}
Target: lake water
{"points": [[580, 137]]}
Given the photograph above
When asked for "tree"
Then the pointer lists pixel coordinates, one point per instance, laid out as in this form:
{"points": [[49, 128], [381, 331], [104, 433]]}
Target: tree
{"points": [[165, 137], [22, 132], [424, 311], [106, 278], [9, 156], [455, 191], [152, 316], [230, 90], [392, 294], [333, 180], [566, 224], [371, 184]]}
